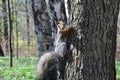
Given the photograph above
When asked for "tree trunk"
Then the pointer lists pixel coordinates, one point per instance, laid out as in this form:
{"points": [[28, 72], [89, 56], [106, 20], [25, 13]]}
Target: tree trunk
{"points": [[28, 25], [12, 18], [93, 41], [5, 24], [1, 51], [42, 22], [16, 24], [10, 33]]}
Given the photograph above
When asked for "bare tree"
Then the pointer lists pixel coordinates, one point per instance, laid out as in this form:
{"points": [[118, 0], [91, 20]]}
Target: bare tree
{"points": [[28, 23], [12, 18], [16, 24], [16, 14], [10, 33]]}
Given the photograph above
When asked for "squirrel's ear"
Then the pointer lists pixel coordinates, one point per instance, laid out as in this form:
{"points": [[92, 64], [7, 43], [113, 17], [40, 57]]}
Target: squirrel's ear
{"points": [[58, 27]]}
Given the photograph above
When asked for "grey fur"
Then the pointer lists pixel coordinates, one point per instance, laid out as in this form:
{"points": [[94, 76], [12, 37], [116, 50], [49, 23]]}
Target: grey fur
{"points": [[60, 46], [46, 65]]}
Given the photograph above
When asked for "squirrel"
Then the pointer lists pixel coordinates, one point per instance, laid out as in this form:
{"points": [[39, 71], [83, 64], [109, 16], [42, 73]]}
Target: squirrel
{"points": [[61, 38], [48, 62]]}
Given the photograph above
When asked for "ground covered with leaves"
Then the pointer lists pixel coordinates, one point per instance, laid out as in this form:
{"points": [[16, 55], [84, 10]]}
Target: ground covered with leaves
{"points": [[24, 69]]}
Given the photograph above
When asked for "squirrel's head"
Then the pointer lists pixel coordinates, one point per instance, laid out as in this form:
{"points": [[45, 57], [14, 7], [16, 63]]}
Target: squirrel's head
{"points": [[65, 30]]}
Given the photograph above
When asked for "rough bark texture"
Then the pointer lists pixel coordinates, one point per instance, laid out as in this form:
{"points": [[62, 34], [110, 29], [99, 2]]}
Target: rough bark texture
{"points": [[93, 41], [42, 24], [5, 23]]}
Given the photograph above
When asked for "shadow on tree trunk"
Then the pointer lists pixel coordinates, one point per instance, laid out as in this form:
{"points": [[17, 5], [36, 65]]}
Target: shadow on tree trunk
{"points": [[1, 52]]}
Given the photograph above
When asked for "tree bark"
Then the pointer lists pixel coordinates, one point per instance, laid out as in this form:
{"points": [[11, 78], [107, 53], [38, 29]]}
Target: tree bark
{"points": [[93, 41], [10, 34], [16, 24], [12, 18], [28, 25], [5, 24], [1, 51], [42, 22]]}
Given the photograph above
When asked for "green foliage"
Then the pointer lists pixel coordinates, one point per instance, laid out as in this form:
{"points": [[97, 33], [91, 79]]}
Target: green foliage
{"points": [[118, 69], [23, 69]]}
